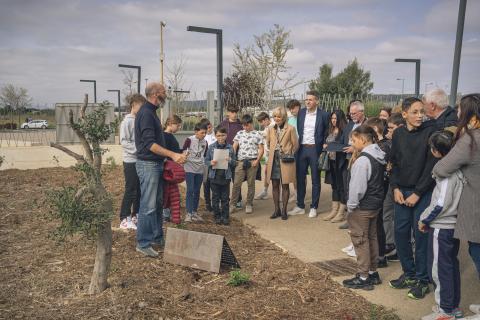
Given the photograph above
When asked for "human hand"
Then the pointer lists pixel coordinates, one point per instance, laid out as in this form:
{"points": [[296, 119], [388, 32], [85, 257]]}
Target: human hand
{"points": [[254, 163], [348, 149], [398, 196], [422, 227], [325, 146], [214, 162], [179, 158], [412, 200]]}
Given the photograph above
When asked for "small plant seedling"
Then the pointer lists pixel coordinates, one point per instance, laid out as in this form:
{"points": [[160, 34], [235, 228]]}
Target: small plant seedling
{"points": [[111, 162], [238, 278]]}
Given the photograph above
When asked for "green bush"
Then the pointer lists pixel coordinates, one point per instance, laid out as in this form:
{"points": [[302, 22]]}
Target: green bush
{"points": [[238, 278]]}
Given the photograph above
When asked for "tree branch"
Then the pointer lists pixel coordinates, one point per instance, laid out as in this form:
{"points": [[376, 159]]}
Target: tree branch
{"points": [[81, 136], [72, 154]]}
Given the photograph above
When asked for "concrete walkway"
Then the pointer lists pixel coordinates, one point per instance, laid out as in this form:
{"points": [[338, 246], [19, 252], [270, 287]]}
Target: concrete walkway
{"points": [[314, 240]]}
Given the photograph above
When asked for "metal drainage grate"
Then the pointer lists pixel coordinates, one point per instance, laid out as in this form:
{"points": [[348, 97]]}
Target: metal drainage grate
{"points": [[338, 267]]}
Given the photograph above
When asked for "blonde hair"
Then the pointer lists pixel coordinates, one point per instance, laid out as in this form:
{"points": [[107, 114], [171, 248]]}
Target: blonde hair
{"points": [[280, 111]]}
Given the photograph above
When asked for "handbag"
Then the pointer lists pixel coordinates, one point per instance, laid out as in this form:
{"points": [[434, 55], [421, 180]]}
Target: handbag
{"points": [[323, 163], [287, 158], [173, 172]]}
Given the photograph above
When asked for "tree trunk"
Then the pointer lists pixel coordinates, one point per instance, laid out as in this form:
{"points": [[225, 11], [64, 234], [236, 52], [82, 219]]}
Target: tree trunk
{"points": [[103, 257]]}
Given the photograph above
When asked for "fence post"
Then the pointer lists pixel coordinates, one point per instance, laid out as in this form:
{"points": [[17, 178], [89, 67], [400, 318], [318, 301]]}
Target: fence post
{"points": [[211, 107]]}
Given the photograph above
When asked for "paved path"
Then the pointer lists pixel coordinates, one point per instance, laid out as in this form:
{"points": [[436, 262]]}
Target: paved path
{"points": [[313, 240]]}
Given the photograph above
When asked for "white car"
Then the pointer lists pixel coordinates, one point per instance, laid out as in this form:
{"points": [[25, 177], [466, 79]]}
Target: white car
{"points": [[35, 124]]}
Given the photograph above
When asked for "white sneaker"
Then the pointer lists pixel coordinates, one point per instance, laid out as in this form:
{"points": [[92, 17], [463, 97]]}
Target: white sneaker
{"points": [[196, 217], [438, 315], [248, 209], [352, 253], [124, 224], [295, 211], [188, 217], [130, 224], [262, 195], [475, 308], [312, 213], [348, 248], [135, 220]]}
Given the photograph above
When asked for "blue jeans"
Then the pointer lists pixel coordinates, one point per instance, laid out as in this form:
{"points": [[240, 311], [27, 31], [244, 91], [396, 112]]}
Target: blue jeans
{"points": [[406, 220], [307, 157], [150, 222], [194, 183], [474, 250]]}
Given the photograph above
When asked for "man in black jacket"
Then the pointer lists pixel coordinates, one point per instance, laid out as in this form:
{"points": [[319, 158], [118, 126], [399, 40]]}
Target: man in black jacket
{"points": [[151, 153], [437, 108]]}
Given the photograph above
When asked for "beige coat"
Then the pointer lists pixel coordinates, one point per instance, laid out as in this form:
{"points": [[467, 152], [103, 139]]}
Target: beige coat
{"points": [[289, 145]]}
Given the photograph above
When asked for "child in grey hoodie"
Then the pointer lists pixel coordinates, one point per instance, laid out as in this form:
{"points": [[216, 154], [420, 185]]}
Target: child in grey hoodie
{"points": [[365, 199], [439, 219], [132, 184]]}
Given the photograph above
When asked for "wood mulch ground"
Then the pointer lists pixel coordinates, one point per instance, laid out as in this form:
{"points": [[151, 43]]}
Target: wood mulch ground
{"points": [[40, 279]]}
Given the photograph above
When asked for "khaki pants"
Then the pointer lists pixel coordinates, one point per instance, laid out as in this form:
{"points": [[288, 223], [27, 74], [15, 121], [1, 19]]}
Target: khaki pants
{"points": [[240, 173], [363, 232]]}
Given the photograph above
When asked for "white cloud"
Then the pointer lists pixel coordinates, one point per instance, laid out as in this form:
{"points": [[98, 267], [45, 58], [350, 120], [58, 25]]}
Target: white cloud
{"points": [[444, 14], [319, 31]]}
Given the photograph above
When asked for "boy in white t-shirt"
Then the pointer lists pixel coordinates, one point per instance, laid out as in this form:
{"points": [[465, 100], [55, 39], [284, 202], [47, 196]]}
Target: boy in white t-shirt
{"points": [[264, 121]]}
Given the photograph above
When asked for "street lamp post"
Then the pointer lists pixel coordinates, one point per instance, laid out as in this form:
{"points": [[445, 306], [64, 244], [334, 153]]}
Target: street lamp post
{"points": [[94, 89], [139, 73], [118, 95], [458, 51], [403, 84], [218, 32], [162, 56], [417, 72]]}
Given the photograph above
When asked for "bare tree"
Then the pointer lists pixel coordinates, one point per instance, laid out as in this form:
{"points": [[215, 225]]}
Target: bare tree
{"points": [[130, 83], [266, 62], [88, 209], [15, 97], [176, 80]]}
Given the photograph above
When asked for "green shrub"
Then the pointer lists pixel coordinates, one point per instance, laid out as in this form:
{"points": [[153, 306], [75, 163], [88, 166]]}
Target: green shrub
{"points": [[238, 278]]}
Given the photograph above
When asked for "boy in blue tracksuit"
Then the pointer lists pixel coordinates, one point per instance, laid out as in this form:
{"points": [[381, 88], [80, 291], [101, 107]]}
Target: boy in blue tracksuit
{"points": [[439, 220], [220, 178]]}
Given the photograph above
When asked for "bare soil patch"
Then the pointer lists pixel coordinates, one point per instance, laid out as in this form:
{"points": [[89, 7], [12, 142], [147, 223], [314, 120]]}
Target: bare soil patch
{"points": [[40, 279]]}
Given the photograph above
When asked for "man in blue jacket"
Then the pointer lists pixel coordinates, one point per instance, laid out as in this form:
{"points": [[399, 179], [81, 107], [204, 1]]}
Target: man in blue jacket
{"points": [[151, 153], [312, 126]]}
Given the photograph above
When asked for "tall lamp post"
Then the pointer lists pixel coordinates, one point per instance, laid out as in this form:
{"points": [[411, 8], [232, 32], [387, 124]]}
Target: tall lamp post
{"points": [[218, 32], [458, 51], [417, 72], [403, 84], [162, 56], [139, 73], [118, 95], [94, 88]]}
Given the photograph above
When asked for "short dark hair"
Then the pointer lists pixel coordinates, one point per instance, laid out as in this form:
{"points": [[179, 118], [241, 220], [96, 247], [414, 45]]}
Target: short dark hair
{"points": [[293, 103], [396, 119], [205, 121], [247, 119], [232, 108], [387, 110], [380, 124], [408, 102], [442, 141], [135, 98], [220, 129], [200, 126], [313, 93], [367, 132], [262, 116]]}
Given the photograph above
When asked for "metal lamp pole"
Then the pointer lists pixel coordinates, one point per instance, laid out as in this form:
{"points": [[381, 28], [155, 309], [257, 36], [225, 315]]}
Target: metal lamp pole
{"points": [[458, 51], [403, 84], [94, 89], [162, 56], [118, 95], [417, 72]]}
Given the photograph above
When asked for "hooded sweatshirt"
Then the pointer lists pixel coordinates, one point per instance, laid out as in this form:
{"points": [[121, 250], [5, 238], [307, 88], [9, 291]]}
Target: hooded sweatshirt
{"points": [[442, 211], [127, 139], [232, 129], [366, 180]]}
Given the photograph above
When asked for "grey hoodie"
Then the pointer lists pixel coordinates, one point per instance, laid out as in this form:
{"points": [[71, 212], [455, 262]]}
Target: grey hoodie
{"points": [[127, 139], [360, 173]]}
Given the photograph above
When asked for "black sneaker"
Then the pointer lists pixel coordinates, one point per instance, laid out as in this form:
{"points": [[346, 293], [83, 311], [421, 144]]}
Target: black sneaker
{"points": [[419, 291], [390, 249], [382, 262], [358, 283], [393, 257], [375, 278], [225, 222], [402, 282]]}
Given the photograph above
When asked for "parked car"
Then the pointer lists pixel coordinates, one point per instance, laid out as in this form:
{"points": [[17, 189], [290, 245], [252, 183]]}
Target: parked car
{"points": [[35, 124]]}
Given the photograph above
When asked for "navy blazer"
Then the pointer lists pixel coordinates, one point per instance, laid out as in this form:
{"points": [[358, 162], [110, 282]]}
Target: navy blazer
{"points": [[321, 127]]}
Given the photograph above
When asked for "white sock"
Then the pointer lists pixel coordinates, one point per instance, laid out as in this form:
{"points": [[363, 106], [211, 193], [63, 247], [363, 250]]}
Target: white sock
{"points": [[371, 272], [363, 278]]}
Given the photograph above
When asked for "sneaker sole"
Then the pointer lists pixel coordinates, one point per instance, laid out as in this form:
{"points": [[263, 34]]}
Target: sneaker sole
{"points": [[411, 296], [146, 255], [399, 288], [367, 288]]}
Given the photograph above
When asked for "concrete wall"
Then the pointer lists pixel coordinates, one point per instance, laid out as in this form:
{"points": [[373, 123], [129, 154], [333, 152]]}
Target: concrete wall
{"points": [[35, 157]]}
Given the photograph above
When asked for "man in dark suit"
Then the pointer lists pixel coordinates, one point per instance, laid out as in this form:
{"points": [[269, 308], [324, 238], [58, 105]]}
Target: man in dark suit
{"points": [[312, 125]]}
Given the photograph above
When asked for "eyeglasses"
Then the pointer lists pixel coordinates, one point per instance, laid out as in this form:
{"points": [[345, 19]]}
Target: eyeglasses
{"points": [[355, 113]]}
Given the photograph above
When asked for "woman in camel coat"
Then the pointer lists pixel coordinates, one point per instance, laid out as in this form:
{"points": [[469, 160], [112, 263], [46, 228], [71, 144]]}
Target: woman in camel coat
{"points": [[281, 141]]}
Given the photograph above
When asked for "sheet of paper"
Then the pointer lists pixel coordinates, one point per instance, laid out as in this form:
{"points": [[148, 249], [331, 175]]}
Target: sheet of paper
{"points": [[220, 155]]}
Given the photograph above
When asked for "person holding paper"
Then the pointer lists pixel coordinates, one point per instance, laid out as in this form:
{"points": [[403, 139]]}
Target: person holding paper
{"points": [[220, 161]]}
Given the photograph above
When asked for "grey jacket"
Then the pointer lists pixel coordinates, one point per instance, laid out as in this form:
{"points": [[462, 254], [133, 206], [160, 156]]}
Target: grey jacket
{"points": [[442, 211], [360, 174], [127, 139], [461, 158]]}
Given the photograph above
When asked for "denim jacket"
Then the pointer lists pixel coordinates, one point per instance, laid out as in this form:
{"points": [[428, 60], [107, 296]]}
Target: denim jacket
{"points": [[209, 158]]}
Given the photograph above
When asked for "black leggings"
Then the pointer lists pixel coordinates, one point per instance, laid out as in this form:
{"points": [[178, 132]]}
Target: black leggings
{"points": [[132, 191]]}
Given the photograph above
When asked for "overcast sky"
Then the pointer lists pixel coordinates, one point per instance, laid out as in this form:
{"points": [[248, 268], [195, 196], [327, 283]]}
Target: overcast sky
{"points": [[47, 46]]}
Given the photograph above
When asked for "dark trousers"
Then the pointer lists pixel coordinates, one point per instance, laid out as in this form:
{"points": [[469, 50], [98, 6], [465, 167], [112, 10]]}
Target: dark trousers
{"points": [[444, 268], [206, 193], [338, 190], [406, 220], [194, 183], [220, 200], [307, 158], [131, 195], [474, 250]]}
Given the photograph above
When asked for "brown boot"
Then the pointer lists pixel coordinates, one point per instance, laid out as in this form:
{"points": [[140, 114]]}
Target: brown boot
{"points": [[333, 213], [340, 215]]}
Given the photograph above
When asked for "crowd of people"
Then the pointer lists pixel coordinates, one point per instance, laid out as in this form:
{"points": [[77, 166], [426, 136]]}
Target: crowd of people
{"points": [[404, 183]]}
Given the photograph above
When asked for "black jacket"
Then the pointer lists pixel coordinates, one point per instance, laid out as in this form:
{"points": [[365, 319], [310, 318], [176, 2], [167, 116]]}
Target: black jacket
{"points": [[412, 161], [448, 118], [148, 131]]}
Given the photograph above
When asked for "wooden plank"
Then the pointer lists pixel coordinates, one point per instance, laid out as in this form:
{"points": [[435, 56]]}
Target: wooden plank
{"points": [[193, 249]]}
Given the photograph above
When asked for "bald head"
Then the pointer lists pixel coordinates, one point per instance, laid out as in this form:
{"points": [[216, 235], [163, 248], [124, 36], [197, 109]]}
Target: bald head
{"points": [[155, 93]]}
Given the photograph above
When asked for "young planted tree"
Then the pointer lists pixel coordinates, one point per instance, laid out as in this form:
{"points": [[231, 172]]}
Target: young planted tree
{"points": [[87, 208]]}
